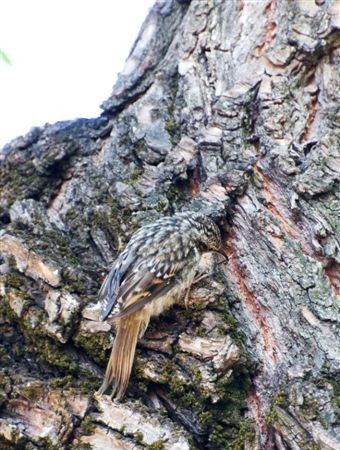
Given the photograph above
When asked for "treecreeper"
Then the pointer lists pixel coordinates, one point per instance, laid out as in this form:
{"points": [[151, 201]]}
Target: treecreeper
{"points": [[157, 268]]}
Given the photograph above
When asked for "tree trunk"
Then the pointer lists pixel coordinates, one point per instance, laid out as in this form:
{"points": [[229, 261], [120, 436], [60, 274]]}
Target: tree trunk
{"points": [[224, 106]]}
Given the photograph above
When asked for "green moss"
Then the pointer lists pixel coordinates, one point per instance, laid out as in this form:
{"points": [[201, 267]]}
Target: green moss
{"points": [[227, 425], [31, 392], [233, 390], [22, 294], [24, 340], [205, 419], [138, 378], [62, 382], [230, 321], [5, 387], [310, 408], [16, 444], [4, 357], [88, 382], [95, 345], [15, 280], [121, 430], [218, 438], [233, 330], [77, 286], [47, 444], [61, 245], [81, 446], [139, 436], [53, 354], [135, 175], [87, 426], [223, 438], [168, 370], [306, 444], [197, 376], [271, 416], [281, 400], [177, 193], [72, 215], [32, 339], [12, 264], [222, 424], [111, 223], [161, 205], [180, 390], [157, 445], [177, 386], [6, 312], [22, 181], [337, 400], [171, 127], [313, 446], [324, 381], [246, 435], [190, 400]]}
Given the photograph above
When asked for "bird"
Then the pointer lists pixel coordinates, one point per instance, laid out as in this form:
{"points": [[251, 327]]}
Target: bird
{"points": [[154, 271]]}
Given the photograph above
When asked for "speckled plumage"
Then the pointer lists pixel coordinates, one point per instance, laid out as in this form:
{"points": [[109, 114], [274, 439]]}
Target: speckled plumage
{"points": [[156, 268]]}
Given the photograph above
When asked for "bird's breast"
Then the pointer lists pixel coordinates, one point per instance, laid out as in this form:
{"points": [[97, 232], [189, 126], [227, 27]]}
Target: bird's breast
{"points": [[183, 282]]}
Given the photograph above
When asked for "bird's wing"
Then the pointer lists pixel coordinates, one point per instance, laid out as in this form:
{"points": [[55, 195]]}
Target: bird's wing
{"points": [[107, 296], [138, 300], [153, 274]]}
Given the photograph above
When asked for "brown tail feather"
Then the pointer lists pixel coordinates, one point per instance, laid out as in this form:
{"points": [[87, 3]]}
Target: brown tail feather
{"points": [[119, 367]]}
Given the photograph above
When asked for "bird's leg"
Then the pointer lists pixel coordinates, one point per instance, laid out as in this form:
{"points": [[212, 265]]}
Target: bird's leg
{"points": [[201, 277], [198, 278], [186, 298], [114, 390], [103, 388]]}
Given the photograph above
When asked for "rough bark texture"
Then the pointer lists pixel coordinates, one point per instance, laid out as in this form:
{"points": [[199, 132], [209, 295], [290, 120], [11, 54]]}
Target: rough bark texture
{"points": [[229, 107]]}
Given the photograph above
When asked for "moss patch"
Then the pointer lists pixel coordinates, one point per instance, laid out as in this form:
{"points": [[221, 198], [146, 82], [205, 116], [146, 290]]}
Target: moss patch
{"points": [[157, 445], [95, 345], [87, 427], [223, 424], [16, 444]]}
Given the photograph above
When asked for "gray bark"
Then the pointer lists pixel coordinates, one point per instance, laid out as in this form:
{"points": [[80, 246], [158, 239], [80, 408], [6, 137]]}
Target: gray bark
{"points": [[229, 107]]}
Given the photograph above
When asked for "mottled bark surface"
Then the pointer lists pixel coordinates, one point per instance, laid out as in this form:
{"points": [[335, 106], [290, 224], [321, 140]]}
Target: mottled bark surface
{"points": [[224, 106]]}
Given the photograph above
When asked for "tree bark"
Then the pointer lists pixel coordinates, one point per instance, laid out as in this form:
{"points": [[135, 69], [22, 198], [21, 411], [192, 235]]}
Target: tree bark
{"points": [[229, 107]]}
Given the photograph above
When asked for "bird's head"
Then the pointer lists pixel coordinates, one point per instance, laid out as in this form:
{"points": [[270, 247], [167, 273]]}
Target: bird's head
{"points": [[210, 235]]}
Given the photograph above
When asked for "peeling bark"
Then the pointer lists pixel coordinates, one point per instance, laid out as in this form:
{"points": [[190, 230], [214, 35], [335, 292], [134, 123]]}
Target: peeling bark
{"points": [[229, 107]]}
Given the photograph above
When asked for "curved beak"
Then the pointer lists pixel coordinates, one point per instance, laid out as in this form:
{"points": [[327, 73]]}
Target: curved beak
{"points": [[222, 252]]}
